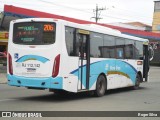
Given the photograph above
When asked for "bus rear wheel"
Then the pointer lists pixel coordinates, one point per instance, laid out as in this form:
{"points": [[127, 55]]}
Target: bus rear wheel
{"points": [[137, 82], [100, 86]]}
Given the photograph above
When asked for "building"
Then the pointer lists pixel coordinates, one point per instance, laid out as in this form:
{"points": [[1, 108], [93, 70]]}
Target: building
{"points": [[3, 41], [134, 26], [144, 27], [3, 36], [156, 17], [156, 28], [136, 29]]}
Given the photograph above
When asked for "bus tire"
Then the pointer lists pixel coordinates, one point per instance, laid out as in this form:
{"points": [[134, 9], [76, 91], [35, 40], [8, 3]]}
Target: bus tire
{"points": [[100, 86], [137, 82]]}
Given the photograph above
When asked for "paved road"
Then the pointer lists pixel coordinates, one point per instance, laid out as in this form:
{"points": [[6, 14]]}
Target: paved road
{"points": [[144, 99]]}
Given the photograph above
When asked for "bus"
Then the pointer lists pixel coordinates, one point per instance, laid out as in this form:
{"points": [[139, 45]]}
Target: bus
{"points": [[47, 53]]}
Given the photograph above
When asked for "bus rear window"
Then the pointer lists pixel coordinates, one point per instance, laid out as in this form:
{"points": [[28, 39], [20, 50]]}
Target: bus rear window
{"points": [[34, 33]]}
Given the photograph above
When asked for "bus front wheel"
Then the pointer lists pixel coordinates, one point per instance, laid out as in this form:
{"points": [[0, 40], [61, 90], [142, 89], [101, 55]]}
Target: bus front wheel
{"points": [[100, 86]]}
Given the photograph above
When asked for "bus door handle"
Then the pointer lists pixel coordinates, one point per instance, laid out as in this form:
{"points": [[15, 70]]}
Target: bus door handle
{"points": [[82, 56]]}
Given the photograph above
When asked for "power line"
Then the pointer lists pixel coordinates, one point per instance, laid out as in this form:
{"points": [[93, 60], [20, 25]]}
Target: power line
{"points": [[127, 18], [82, 10], [140, 14], [129, 15], [97, 11]]}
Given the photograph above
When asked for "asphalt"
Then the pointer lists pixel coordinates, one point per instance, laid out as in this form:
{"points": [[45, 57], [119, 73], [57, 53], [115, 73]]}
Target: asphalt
{"points": [[144, 99]]}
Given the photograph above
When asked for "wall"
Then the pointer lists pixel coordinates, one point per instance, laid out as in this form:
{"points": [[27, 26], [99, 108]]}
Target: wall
{"points": [[156, 17], [3, 41]]}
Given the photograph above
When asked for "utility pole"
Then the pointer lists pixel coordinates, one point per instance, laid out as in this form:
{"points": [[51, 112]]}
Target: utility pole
{"points": [[97, 12]]}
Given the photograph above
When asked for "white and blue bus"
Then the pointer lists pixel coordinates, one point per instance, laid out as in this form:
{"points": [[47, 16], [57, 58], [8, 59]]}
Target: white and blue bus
{"points": [[58, 55]]}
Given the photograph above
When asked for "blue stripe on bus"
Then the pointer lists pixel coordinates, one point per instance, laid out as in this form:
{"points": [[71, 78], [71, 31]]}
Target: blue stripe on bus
{"points": [[49, 82], [105, 66], [83, 66], [130, 66], [32, 57]]}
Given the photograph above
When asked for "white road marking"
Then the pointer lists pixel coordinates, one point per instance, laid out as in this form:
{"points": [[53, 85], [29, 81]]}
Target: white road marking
{"points": [[7, 100]]}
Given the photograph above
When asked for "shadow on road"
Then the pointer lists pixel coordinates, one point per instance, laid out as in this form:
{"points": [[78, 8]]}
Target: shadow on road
{"points": [[76, 96]]}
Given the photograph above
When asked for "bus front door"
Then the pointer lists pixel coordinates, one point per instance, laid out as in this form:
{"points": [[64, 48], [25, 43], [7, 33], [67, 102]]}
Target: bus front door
{"points": [[146, 62], [84, 61]]}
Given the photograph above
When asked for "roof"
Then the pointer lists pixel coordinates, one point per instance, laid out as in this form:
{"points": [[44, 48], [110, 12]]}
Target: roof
{"points": [[138, 24], [137, 33], [26, 13]]}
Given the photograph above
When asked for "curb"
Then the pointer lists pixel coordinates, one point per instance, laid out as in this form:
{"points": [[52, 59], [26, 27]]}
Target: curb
{"points": [[3, 78], [4, 83], [3, 74]]}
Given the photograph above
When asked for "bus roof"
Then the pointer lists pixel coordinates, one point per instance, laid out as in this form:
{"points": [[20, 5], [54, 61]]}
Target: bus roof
{"points": [[102, 29], [89, 27]]}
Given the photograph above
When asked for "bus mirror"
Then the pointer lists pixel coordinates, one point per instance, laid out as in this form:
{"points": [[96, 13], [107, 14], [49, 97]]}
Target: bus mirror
{"points": [[151, 53]]}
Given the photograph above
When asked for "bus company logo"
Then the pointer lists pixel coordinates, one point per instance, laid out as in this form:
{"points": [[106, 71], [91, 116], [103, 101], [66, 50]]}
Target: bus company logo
{"points": [[16, 56], [6, 114], [106, 67]]}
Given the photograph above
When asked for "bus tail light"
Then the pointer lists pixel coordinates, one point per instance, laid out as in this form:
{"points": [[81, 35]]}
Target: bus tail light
{"points": [[139, 62], [56, 66], [10, 64]]}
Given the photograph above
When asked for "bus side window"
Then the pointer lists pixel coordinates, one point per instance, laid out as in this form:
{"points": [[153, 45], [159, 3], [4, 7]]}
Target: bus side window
{"points": [[109, 46], [96, 42], [139, 50], [120, 45], [70, 38], [129, 49]]}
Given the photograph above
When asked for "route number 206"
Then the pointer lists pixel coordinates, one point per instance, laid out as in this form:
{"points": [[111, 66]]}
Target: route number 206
{"points": [[48, 27]]}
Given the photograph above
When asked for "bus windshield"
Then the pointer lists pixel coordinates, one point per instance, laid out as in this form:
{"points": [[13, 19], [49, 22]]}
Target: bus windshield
{"points": [[34, 33]]}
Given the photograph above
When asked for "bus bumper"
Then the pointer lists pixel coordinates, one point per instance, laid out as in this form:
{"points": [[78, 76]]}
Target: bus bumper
{"points": [[42, 83]]}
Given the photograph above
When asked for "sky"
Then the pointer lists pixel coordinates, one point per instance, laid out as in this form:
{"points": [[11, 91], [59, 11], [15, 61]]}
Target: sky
{"points": [[115, 10]]}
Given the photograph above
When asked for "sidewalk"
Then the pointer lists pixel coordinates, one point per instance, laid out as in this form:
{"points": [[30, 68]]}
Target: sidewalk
{"points": [[3, 74], [3, 78]]}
